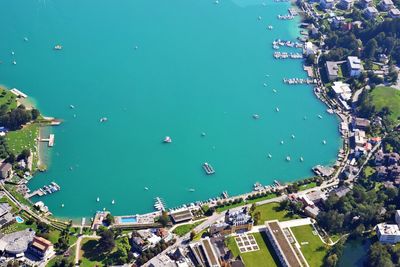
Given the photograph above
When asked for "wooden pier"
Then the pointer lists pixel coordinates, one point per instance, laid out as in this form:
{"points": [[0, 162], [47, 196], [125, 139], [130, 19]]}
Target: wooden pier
{"points": [[49, 140]]}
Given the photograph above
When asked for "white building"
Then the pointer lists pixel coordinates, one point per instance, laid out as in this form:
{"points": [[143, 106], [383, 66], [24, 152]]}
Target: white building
{"points": [[371, 12], [388, 233], [355, 66], [397, 217], [394, 13], [342, 90], [386, 5], [309, 49], [359, 137]]}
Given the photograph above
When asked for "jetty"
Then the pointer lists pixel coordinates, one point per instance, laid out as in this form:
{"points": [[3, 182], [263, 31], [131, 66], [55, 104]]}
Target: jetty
{"points": [[285, 17], [285, 55], [159, 204], [208, 168], [49, 140], [18, 93], [47, 189], [293, 12], [276, 44], [295, 81]]}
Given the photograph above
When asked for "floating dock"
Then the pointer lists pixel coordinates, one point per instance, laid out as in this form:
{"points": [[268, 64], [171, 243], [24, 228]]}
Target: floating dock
{"points": [[47, 189], [159, 205], [208, 168], [49, 140], [18, 93]]}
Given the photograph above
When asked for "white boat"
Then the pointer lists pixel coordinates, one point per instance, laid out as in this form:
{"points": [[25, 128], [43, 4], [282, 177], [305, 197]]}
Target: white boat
{"points": [[293, 136], [319, 116], [104, 119], [288, 158], [324, 142], [259, 17], [277, 109], [14, 62], [265, 85], [26, 39], [274, 90], [58, 47], [72, 106], [97, 199], [203, 134], [191, 190], [282, 142], [167, 139], [269, 156], [270, 27], [12, 53], [113, 202], [301, 159], [62, 205], [256, 116], [146, 188]]}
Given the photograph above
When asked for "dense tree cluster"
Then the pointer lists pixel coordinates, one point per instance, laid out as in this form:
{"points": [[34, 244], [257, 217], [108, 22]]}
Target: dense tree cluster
{"points": [[381, 255], [358, 207], [15, 118]]}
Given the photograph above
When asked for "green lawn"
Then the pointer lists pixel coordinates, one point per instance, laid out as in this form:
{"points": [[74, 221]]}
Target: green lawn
{"points": [[262, 257], [269, 196], [369, 171], [7, 98], [88, 254], [181, 230], [227, 207], [387, 97], [271, 211], [70, 258], [315, 250], [23, 139], [307, 186]]}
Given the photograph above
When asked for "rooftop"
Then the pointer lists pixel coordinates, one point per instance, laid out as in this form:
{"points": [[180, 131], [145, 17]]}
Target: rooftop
{"points": [[388, 229], [354, 62]]}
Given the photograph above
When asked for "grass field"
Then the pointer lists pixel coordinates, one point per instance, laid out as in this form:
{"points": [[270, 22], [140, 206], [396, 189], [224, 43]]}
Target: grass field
{"points": [[23, 139], [271, 211], [387, 97], [7, 98], [88, 254], [186, 228], [307, 186], [262, 257], [315, 250]]}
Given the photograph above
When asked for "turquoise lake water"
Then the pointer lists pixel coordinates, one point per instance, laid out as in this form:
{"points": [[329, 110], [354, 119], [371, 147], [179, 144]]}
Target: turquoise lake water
{"points": [[198, 67]]}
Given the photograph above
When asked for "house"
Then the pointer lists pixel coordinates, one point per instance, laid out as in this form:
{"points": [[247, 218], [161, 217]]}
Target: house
{"points": [[355, 66], [98, 219], [371, 12], [366, 3], [386, 5], [360, 123], [311, 211], [394, 13], [332, 70], [383, 58], [327, 4], [359, 137], [6, 218], [346, 4], [388, 233], [181, 216], [6, 170], [139, 244], [397, 217], [309, 49], [337, 21], [236, 221], [340, 191], [342, 90], [41, 247]]}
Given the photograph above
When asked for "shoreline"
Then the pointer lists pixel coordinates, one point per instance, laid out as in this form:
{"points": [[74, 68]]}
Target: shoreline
{"points": [[41, 153]]}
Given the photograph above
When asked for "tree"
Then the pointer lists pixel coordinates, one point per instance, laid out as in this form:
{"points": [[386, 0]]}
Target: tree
{"points": [[192, 234], [164, 219], [109, 219], [331, 261], [370, 49], [35, 113], [106, 242]]}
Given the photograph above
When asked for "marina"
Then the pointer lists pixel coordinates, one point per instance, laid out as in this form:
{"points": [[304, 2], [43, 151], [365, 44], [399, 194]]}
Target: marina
{"points": [[47, 189], [285, 55], [145, 111], [208, 168]]}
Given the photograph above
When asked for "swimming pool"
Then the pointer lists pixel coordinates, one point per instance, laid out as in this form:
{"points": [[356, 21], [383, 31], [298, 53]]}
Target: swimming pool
{"points": [[19, 219], [130, 219]]}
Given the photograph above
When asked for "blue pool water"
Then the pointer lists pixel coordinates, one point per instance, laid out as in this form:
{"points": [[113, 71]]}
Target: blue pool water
{"points": [[19, 219], [128, 219]]}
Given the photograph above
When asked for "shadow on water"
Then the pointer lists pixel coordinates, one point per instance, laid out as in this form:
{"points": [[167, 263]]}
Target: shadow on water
{"points": [[355, 252]]}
